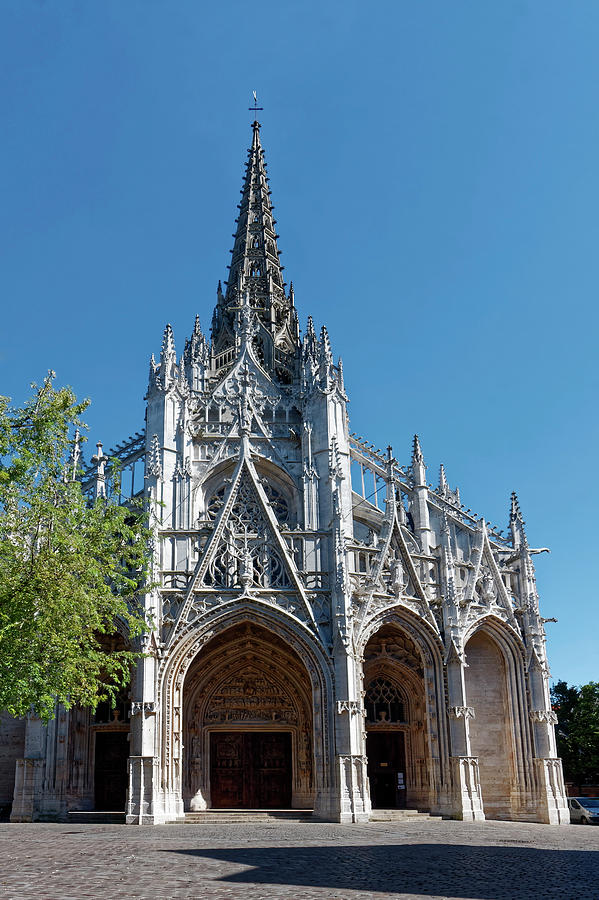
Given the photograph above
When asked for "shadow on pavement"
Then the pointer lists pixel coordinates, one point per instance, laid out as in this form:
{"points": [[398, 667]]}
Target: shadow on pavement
{"points": [[447, 870]]}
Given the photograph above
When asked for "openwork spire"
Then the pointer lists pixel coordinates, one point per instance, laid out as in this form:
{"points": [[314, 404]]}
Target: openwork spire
{"points": [[256, 270]]}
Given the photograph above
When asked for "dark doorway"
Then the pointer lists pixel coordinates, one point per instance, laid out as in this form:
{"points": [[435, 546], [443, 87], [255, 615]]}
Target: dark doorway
{"points": [[110, 774], [250, 770], [386, 769]]}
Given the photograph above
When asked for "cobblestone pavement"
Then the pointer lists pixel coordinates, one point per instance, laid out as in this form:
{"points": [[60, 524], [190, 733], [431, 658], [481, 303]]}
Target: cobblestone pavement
{"points": [[426, 858]]}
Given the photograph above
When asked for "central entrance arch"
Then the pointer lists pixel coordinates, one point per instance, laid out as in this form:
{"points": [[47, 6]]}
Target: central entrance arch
{"points": [[247, 724]]}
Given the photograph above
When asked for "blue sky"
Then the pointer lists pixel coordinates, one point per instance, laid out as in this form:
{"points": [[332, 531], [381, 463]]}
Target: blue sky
{"points": [[434, 168]]}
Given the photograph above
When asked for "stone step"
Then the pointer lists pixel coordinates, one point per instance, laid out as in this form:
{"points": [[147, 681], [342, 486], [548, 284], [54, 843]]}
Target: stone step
{"points": [[95, 817], [244, 816], [396, 815]]}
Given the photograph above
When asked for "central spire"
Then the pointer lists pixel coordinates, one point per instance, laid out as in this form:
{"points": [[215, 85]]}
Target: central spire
{"points": [[256, 270]]}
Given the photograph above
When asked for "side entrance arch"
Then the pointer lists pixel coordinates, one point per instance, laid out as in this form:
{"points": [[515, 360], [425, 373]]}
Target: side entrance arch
{"points": [[396, 736]]}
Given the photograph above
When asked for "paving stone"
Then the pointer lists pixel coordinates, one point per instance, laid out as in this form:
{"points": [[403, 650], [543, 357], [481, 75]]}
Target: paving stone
{"points": [[417, 858]]}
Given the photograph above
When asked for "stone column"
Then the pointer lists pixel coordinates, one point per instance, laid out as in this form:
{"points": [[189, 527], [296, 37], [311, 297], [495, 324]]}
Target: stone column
{"points": [[143, 764], [552, 805], [30, 773], [353, 797], [467, 796]]}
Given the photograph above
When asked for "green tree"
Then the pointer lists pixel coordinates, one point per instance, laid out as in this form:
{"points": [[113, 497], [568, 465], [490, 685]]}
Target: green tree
{"points": [[577, 710], [70, 569]]}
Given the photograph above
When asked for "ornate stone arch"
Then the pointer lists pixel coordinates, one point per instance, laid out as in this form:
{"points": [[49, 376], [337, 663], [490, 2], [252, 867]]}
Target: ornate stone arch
{"points": [[431, 650], [513, 653], [174, 669]]}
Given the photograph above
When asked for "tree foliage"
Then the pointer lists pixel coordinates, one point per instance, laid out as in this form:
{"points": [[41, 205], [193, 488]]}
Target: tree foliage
{"points": [[577, 710], [70, 569]]}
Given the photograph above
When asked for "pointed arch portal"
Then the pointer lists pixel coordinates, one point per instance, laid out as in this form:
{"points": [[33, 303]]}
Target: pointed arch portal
{"points": [[396, 733], [247, 724]]}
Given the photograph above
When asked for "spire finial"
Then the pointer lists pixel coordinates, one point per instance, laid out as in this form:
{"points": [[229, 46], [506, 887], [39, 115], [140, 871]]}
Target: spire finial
{"points": [[255, 108]]}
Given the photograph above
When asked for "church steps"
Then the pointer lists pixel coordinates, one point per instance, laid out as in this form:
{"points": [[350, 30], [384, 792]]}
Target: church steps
{"points": [[95, 817], [244, 816], [396, 815]]}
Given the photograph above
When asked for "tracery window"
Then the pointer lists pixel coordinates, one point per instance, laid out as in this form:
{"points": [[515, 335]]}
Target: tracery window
{"points": [[215, 503], [384, 702], [246, 554], [279, 504]]}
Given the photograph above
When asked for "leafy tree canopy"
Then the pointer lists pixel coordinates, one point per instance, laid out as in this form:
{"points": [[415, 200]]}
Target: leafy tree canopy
{"points": [[70, 569], [577, 710]]}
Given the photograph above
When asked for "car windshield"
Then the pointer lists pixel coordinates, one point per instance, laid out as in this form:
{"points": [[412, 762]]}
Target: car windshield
{"points": [[591, 803]]}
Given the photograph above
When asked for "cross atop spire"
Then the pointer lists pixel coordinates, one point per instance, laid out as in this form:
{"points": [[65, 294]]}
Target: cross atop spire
{"points": [[256, 270], [255, 108]]}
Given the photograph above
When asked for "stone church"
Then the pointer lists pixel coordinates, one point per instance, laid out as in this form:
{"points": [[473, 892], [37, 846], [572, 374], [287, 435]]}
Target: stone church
{"points": [[332, 633]]}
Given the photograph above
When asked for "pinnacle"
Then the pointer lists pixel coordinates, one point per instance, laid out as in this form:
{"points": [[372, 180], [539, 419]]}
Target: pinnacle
{"points": [[516, 524], [325, 344], [168, 342], [443, 485], [515, 511], [417, 450]]}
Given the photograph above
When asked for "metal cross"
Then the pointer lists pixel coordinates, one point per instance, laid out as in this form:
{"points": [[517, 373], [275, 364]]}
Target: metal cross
{"points": [[255, 108]]}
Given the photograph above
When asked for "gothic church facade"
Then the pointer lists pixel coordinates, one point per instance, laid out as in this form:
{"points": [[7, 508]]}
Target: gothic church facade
{"points": [[331, 633]]}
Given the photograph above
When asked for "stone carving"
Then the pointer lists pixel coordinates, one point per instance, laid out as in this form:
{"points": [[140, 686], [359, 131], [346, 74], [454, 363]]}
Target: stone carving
{"points": [[138, 707], [353, 707], [486, 588], [546, 716], [461, 712], [249, 696], [398, 578], [246, 556]]}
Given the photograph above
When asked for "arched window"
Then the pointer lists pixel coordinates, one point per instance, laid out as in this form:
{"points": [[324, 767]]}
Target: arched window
{"points": [[384, 702]]}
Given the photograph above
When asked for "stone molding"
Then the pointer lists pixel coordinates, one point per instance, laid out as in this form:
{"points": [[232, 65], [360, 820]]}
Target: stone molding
{"points": [[545, 716], [354, 707], [148, 708], [461, 712]]}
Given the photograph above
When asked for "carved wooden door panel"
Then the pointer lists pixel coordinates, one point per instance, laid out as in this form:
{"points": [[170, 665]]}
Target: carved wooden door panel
{"points": [[386, 769], [271, 770], [227, 770], [110, 771], [250, 770]]}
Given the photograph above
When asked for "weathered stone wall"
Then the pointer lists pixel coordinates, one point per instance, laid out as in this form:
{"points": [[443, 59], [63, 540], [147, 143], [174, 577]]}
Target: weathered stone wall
{"points": [[12, 747], [490, 728]]}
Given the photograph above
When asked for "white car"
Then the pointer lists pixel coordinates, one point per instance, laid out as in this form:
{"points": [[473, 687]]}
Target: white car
{"points": [[584, 810]]}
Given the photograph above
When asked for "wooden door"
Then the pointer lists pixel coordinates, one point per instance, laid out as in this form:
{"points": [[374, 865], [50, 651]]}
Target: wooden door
{"points": [[110, 772], [271, 770], [386, 769], [250, 770]]}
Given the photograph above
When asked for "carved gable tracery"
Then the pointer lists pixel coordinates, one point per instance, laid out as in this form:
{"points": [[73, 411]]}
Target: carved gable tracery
{"points": [[245, 556]]}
